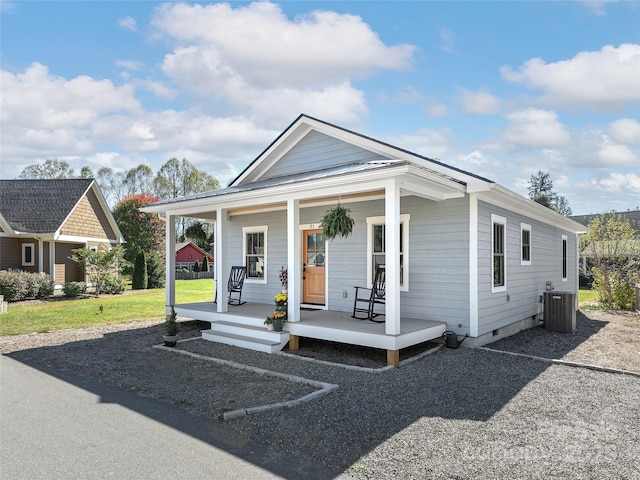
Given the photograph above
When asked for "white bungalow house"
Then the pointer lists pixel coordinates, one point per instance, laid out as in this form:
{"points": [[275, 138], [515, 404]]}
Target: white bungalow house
{"points": [[461, 252]]}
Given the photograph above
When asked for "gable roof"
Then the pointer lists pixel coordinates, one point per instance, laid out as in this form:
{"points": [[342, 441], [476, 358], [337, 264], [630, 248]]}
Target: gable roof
{"points": [[181, 245], [302, 125], [41, 206]]}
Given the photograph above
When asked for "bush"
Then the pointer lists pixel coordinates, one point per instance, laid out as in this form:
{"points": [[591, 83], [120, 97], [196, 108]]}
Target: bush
{"points": [[17, 286], [73, 289], [112, 285], [139, 279], [615, 290], [196, 266], [155, 272]]}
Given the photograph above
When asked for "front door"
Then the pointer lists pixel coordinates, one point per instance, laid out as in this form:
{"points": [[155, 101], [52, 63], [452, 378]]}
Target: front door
{"points": [[313, 276]]}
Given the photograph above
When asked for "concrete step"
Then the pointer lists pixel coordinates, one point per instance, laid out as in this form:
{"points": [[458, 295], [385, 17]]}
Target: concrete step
{"points": [[224, 326], [277, 343]]}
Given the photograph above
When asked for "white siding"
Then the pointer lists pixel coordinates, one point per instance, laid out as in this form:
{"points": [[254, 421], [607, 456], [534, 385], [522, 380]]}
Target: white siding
{"points": [[525, 283], [438, 254], [317, 151]]}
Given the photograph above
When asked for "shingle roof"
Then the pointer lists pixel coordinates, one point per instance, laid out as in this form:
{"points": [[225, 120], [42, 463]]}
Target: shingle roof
{"points": [[632, 215], [40, 206]]}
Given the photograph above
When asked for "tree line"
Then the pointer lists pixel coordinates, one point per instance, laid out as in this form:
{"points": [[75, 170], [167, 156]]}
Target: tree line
{"points": [[126, 193]]}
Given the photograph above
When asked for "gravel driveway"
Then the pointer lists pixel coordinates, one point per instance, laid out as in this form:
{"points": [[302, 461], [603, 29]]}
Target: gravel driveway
{"points": [[465, 413]]}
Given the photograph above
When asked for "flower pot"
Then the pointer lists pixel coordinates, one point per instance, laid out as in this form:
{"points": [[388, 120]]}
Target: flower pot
{"points": [[170, 340], [277, 324], [281, 308]]}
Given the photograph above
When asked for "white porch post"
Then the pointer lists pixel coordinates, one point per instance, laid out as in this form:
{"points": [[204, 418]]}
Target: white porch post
{"points": [[473, 264], [40, 255], [221, 260], [392, 257], [294, 262], [52, 259], [170, 261]]}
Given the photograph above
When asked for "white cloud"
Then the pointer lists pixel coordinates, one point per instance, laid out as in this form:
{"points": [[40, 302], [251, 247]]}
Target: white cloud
{"points": [[534, 128], [128, 23], [625, 130], [437, 110], [606, 79], [617, 182], [479, 103], [260, 61], [129, 64], [434, 144]]}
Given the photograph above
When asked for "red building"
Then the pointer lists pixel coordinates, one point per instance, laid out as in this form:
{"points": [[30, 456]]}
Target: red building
{"points": [[187, 253]]}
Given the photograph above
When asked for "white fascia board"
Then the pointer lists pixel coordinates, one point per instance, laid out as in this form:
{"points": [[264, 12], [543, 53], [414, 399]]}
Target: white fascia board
{"points": [[339, 185], [105, 207], [505, 198], [5, 225]]}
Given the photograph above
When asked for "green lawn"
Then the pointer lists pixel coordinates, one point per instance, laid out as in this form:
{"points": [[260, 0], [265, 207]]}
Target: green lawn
{"points": [[586, 296], [56, 314]]}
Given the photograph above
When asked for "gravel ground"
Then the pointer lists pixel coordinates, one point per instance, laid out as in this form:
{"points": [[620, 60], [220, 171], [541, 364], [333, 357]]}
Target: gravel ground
{"points": [[465, 413]]}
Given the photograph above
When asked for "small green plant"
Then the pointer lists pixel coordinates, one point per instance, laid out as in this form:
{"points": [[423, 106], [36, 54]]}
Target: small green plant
{"points": [[73, 289], [337, 221], [172, 327]]}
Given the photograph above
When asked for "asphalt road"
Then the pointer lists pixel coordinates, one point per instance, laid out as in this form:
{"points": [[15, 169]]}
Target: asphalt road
{"points": [[57, 426]]}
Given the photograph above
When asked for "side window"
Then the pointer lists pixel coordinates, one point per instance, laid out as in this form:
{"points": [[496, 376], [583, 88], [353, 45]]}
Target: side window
{"points": [[498, 242], [255, 252], [564, 258], [376, 232], [28, 254], [525, 239]]}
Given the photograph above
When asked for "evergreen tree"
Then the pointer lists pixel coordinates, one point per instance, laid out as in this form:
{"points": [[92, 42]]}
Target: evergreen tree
{"points": [[196, 266], [139, 280], [205, 264], [155, 271], [541, 191]]}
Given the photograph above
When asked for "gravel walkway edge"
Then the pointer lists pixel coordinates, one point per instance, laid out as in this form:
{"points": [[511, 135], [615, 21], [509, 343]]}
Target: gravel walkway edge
{"points": [[564, 362], [323, 387]]}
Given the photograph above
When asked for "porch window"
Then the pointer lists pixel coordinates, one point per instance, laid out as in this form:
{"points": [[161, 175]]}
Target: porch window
{"points": [[498, 240], [525, 235], [564, 258], [255, 252], [376, 232], [28, 254]]}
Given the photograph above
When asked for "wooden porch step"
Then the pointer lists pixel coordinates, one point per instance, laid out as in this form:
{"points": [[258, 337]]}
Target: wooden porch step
{"points": [[274, 342]]}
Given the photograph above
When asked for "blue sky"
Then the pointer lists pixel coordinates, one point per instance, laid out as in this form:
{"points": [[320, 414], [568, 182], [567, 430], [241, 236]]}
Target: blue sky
{"points": [[501, 89]]}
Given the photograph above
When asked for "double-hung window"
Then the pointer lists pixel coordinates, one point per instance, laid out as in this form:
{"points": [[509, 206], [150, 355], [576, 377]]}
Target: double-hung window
{"points": [[28, 254], [498, 242], [376, 254], [525, 236], [255, 252]]}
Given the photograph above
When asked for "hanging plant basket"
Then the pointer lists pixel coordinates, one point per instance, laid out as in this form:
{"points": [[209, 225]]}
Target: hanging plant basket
{"points": [[337, 222]]}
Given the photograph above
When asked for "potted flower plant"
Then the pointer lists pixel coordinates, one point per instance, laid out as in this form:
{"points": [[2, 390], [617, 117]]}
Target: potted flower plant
{"points": [[281, 300], [276, 320], [337, 221], [172, 327]]}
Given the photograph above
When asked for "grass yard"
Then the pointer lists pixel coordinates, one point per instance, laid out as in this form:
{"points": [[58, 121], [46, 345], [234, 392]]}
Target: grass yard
{"points": [[61, 314], [587, 297]]}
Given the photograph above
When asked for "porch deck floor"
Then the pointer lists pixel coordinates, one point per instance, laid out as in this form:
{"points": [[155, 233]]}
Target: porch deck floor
{"points": [[309, 317]]}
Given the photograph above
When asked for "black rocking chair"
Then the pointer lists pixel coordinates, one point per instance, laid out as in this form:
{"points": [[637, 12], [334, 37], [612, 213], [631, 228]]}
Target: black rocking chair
{"points": [[235, 284], [370, 297]]}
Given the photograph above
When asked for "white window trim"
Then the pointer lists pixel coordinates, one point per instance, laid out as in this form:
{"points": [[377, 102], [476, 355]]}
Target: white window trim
{"points": [[502, 221], [255, 229], [404, 222], [565, 241], [33, 254], [526, 227]]}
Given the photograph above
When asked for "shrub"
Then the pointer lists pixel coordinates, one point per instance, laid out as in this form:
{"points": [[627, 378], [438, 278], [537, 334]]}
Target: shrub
{"points": [[139, 280], [73, 289], [155, 271], [112, 285], [196, 266], [17, 286], [614, 289]]}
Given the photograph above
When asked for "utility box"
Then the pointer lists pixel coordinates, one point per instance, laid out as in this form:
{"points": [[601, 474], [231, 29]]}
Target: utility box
{"points": [[560, 311]]}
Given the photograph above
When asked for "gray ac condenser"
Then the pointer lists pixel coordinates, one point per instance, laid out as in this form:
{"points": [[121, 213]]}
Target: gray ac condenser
{"points": [[560, 311]]}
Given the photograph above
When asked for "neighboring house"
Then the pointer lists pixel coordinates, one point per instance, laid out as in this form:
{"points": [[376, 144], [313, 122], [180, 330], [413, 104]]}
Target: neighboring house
{"points": [[633, 216], [470, 255], [187, 253], [43, 221]]}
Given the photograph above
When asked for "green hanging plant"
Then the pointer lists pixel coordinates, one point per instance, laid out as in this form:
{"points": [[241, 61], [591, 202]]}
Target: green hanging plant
{"points": [[337, 221]]}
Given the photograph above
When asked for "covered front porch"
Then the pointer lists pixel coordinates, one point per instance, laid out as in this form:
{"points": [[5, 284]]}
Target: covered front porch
{"points": [[244, 324]]}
